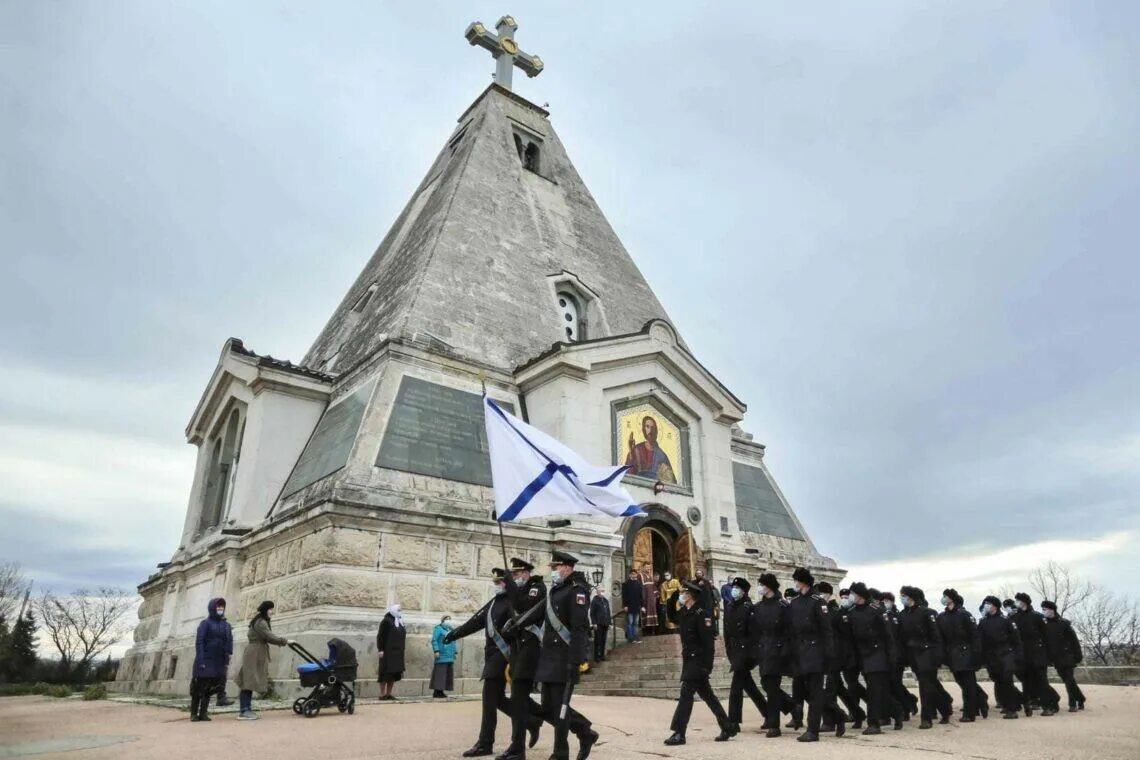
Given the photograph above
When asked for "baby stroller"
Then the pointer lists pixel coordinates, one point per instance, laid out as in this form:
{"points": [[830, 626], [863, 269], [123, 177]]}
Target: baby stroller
{"points": [[330, 679]]}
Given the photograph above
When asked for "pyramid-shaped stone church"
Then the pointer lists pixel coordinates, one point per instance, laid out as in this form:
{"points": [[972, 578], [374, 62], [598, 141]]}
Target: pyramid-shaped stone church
{"points": [[360, 477]]}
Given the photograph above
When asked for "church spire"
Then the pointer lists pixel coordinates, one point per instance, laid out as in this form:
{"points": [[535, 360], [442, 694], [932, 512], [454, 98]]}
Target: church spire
{"points": [[504, 50]]}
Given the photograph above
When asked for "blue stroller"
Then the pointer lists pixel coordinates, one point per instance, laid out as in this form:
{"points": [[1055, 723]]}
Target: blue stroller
{"points": [[329, 678]]}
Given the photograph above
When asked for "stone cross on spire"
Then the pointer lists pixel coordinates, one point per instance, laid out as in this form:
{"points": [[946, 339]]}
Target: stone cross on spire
{"points": [[504, 49]]}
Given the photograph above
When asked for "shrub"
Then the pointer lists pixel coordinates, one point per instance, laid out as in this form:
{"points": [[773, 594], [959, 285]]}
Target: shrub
{"points": [[95, 691], [59, 691]]}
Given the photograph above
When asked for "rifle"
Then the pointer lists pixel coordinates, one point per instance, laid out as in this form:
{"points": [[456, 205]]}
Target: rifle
{"points": [[522, 620]]}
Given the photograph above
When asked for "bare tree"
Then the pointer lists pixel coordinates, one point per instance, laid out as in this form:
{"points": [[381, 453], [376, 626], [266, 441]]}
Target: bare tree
{"points": [[1060, 584], [1102, 623], [13, 586], [84, 625]]}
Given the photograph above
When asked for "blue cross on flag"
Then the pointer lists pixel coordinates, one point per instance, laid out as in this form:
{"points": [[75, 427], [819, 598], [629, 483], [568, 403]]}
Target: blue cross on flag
{"points": [[534, 475]]}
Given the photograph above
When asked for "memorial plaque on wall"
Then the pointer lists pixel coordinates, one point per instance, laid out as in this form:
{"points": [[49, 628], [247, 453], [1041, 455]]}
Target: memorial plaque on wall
{"points": [[331, 442], [758, 507], [436, 430]]}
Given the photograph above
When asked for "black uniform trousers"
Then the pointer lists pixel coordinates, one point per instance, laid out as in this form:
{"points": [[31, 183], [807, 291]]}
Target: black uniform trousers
{"points": [[600, 642], [1004, 690], [1035, 685], [525, 712], [494, 699], [929, 693], [945, 701], [821, 705], [576, 723], [778, 699], [833, 691], [684, 709], [200, 691], [743, 683], [901, 694], [878, 695], [1076, 696], [855, 692], [968, 681]]}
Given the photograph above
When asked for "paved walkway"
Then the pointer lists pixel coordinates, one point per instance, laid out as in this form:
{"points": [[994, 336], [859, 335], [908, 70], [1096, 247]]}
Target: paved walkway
{"points": [[631, 728]]}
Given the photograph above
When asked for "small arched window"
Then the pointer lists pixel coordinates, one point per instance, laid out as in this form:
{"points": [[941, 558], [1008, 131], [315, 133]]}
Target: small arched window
{"points": [[571, 316]]}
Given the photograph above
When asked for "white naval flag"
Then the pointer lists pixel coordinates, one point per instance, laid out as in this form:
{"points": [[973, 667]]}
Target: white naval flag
{"points": [[536, 476]]}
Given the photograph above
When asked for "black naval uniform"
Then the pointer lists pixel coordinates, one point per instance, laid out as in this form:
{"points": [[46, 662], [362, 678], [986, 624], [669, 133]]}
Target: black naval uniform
{"points": [[490, 621], [810, 632], [872, 642], [766, 630], [741, 658], [1065, 654], [698, 647], [900, 694], [526, 643], [844, 674], [565, 646], [962, 645], [1035, 660], [1001, 646], [918, 626]]}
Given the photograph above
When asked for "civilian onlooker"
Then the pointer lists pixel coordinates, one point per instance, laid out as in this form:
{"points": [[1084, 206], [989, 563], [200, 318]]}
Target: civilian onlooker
{"points": [[213, 647], [600, 618], [443, 672], [632, 596], [254, 672], [390, 641]]}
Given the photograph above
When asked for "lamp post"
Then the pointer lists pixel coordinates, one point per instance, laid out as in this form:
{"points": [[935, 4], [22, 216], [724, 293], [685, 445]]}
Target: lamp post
{"points": [[597, 575]]}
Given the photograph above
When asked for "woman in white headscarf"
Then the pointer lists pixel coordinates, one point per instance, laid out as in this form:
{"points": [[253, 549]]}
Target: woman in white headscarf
{"points": [[390, 644]]}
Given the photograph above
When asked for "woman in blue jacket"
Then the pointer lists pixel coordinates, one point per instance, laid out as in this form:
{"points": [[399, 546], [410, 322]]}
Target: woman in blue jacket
{"points": [[443, 674], [213, 647]]}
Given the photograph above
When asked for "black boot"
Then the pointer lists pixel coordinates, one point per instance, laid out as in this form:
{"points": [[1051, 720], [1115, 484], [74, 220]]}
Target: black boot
{"points": [[773, 733], [586, 743], [807, 736], [797, 721], [985, 710], [1009, 715], [727, 732], [532, 732], [944, 720], [872, 730], [841, 726], [926, 723], [480, 750], [676, 740]]}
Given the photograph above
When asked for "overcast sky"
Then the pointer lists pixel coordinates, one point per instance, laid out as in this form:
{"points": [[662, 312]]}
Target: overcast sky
{"points": [[904, 235]]}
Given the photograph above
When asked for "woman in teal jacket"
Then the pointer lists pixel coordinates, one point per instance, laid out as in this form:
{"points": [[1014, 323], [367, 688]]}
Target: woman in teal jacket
{"points": [[443, 674]]}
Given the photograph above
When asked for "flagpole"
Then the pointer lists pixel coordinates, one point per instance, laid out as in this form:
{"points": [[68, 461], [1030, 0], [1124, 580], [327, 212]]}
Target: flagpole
{"points": [[502, 540]]}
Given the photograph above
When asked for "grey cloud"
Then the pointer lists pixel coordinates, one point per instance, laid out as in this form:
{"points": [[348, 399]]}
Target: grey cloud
{"points": [[902, 234]]}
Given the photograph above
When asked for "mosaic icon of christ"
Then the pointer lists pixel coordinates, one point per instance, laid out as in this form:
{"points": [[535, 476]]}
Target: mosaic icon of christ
{"points": [[647, 459]]}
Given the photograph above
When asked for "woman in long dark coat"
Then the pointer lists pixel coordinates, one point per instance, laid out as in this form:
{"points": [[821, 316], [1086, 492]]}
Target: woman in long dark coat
{"points": [[390, 644], [213, 647]]}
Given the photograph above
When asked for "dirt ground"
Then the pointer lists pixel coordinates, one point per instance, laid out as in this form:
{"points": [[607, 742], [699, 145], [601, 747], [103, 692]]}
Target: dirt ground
{"points": [[631, 728]]}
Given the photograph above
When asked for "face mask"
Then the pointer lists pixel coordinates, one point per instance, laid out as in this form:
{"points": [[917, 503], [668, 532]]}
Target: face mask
{"points": [[737, 592], [500, 590], [847, 602], [555, 577], [804, 590], [764, 591], [683, 599], [221, 611], [888, 604], [905, 600], [668, 577], [826, 597], [945, 601], [1050, 613], [1022, 606]]}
